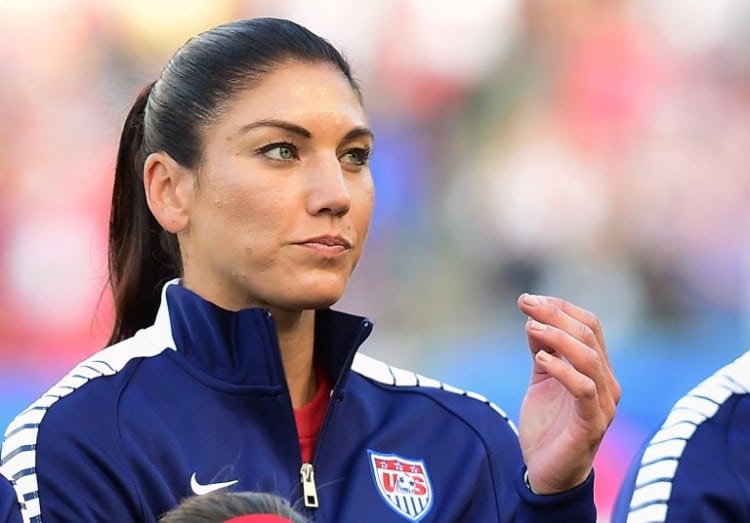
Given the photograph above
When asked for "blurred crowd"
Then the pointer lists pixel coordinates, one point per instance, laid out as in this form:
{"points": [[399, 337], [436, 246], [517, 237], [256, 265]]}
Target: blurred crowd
{"points": [[598, 150]]}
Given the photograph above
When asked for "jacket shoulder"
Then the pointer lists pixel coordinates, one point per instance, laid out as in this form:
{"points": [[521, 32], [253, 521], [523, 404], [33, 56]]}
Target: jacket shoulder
{"points": [[465, 404], [706, 432], [9, 502], [74, 388], [73, 421]]}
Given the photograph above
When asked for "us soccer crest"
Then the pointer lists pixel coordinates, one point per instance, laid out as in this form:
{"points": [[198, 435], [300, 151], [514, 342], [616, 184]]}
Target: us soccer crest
{"points": [[403, 484]]}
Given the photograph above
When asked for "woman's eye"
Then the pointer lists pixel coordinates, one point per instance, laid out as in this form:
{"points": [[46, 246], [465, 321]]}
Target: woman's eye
{"points": [[280, 152], [358, 157]]}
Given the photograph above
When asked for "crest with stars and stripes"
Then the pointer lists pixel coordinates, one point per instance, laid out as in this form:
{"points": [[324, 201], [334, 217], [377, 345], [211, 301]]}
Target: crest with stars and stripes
{"points": [[403, 484]]}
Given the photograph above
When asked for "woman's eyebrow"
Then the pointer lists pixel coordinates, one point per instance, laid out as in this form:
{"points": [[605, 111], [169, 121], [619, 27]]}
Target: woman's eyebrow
{"points": [[359, 132], [280, 124], [355, 133]]}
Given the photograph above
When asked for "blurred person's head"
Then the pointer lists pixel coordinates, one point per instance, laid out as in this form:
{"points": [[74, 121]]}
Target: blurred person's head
{"points": [[244, 171], [233, 507]]}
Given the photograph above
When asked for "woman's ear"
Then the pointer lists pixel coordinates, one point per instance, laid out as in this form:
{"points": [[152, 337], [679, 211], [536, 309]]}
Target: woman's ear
{"points": [[169, 189]]}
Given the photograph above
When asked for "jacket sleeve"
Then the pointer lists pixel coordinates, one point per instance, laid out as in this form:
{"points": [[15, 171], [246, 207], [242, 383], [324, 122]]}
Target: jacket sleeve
{"points": [[67, 461], [513, 500], [573, 505], [10, 510]]}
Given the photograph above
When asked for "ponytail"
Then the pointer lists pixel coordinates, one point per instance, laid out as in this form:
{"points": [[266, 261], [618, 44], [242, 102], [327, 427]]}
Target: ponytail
{"points": [[142, 255]]}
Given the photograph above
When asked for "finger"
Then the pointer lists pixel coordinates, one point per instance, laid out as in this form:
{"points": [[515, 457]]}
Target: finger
{"points": [[584, 316], [592, 321], [580, 386], [557, 312], [582, 324], [583, 359], [544, 310], [535, 342], [538, 372]]}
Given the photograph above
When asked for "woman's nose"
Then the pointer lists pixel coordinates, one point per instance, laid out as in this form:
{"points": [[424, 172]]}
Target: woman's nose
{"points": [[328, 191]]}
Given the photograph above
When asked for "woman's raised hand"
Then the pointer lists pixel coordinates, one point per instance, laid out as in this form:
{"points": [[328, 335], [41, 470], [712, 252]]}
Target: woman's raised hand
{"points": [[572, 395]]}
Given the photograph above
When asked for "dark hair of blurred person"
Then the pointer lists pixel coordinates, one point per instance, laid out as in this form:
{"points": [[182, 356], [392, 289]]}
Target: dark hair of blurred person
{"points": [[220, 507]]}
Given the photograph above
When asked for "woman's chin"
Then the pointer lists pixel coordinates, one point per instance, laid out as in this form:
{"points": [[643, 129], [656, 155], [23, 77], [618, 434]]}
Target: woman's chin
{"points": [[323, 302], [315, 299]]}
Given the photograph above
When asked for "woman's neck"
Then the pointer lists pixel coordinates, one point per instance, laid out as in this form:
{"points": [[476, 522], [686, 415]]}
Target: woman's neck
{"points": [[296, 333]]}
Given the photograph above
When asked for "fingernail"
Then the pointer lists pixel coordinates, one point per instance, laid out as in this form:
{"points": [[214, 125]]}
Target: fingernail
{"points": [[530, 299], [543, 356], [533, 324]]}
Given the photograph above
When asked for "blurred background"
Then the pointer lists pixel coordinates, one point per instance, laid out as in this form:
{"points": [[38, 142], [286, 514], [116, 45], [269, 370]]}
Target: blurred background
{"points": [[596, 150]]}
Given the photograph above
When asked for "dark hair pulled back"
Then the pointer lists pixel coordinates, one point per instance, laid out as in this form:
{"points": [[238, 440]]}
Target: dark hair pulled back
{"points": [[218, 507], [170, 115]]}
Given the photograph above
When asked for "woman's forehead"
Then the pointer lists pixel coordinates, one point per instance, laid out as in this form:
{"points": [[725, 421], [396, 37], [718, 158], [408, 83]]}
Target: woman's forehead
{"points": [[299, 92]]}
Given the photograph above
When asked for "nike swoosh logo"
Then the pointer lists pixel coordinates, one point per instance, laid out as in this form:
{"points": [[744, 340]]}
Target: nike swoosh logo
{"points": [[199, 489]]}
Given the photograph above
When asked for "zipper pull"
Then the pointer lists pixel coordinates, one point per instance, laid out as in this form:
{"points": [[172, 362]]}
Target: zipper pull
{"points": [[309, 491]]}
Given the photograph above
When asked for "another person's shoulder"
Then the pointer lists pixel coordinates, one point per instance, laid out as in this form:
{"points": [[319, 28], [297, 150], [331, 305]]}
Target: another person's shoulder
{"points": [[700, 453], [469, 407], [10, 510]]}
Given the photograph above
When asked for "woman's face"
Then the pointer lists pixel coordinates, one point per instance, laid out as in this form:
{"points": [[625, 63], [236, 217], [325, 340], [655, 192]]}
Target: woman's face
{"points": [[284, 195]]}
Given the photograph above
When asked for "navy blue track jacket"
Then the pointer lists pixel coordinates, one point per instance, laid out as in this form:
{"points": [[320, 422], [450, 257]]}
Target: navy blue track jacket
{"points": [[199, 402], [9, 508], [696, 467]]}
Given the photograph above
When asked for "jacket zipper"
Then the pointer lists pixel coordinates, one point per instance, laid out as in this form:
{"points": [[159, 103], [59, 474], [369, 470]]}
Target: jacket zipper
{"points": [[307, 472], [309, 490]]}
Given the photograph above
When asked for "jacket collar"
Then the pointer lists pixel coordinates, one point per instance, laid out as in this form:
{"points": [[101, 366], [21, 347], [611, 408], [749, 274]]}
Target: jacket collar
{"points": [[241, 347]]}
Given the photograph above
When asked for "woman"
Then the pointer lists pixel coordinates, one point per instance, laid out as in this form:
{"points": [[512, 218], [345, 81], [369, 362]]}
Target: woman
{"points": [[242, 181]]}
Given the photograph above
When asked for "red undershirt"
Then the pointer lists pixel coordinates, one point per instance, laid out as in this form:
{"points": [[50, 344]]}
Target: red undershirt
{"points": [[309, 418]]}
